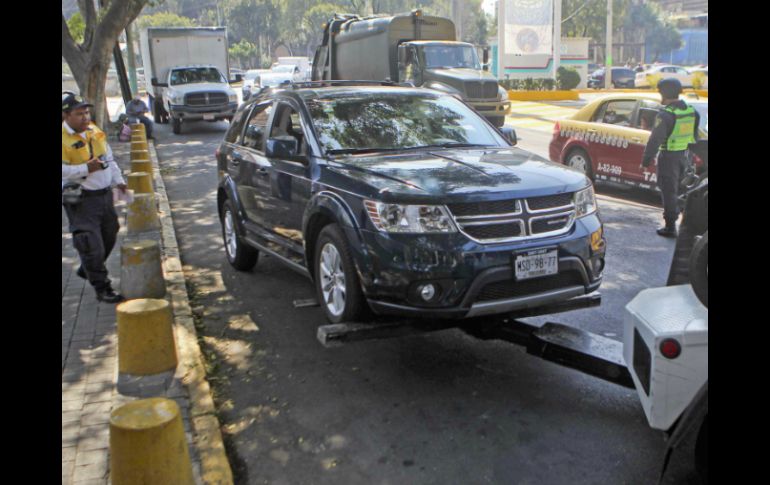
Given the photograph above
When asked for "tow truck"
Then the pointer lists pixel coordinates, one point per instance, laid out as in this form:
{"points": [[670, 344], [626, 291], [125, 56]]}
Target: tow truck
{"points": [[664, 351]]}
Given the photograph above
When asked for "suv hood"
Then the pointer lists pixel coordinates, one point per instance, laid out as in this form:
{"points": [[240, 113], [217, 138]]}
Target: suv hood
{"points": [[445, 175]]}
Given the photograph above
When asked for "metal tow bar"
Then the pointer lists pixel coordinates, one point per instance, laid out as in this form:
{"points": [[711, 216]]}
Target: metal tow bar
{"points": [[592, 354]]}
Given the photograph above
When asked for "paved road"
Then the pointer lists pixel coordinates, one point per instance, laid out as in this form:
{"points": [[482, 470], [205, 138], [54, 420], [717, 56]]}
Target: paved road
{"points": [[441, 408]]}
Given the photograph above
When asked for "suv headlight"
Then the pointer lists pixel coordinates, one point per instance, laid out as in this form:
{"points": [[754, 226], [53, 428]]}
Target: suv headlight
{"points": [[585, 202], [409, 218], [233, 98]]}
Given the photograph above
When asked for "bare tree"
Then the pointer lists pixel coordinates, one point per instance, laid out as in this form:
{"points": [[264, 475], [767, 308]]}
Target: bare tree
{"points": [[90, 60]]}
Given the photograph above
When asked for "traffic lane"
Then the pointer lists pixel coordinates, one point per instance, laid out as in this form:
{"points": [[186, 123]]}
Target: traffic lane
{"points": [[439, 408]]}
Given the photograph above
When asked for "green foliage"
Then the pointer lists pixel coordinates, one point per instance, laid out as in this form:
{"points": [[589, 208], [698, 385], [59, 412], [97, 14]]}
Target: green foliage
{"points": [[163, 19], [244, 51], [567, 78], [664, 38], [77, 27], [528, 84]]}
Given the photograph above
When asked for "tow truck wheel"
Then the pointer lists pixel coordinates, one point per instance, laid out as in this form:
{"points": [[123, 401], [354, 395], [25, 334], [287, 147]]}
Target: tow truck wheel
{"points": [[177, 126], [702, 451], [157, 111], [699, 269], [579, 159], [337, 285]]}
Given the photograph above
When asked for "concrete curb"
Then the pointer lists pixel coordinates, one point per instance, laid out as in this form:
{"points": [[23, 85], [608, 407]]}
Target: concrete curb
{"points": [[703, 93], [215, 468], [543, 95]]}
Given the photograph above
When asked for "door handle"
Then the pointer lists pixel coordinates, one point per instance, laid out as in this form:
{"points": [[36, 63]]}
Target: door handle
{"points": [[262, 171], [236, 158]]}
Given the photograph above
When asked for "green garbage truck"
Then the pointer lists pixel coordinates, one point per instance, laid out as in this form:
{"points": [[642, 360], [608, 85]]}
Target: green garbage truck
{"points": [[409, 48]]}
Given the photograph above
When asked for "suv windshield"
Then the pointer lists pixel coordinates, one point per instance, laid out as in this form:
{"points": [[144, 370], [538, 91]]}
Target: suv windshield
{"points": [[192, 75], [447, 56], [393, 121], [284, 68]]}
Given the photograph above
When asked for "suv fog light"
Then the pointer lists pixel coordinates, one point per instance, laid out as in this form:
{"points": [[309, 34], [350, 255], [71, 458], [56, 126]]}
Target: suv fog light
{"points": [[427, 292]]}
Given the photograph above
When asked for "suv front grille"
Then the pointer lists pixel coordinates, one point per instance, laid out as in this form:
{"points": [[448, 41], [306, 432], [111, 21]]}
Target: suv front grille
{"points": [[502, 290], [205, 99], [514, 219], [481, 90]]}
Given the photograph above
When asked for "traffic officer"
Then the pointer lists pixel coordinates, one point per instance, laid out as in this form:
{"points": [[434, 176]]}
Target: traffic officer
{"points": [[88, 173], [676, 127]]}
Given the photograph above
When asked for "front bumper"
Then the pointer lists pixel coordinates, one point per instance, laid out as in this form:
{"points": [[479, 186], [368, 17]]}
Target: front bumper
{"points": [[195, 113], [491, 109], [473, 279]]}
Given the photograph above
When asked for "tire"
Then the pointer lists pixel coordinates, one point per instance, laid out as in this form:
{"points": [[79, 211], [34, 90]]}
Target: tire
{"points": [[699, 269], [240, 255], [702, 451], [335, 273], [177, 126], [579, 159], [157, 111]]}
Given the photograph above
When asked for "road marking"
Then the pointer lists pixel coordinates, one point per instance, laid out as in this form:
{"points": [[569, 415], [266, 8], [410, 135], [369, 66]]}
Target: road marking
{"points": [[537, 116]]}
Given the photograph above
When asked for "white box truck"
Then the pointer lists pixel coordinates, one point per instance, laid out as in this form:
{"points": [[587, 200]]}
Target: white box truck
{"points": [[186, 74]]}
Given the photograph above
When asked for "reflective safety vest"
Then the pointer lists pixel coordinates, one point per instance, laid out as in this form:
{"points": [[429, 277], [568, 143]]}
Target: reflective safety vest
{"points": [[684, 127], [75, 150]]}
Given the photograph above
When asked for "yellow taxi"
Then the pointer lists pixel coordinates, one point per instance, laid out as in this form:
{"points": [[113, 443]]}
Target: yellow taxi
{"points": [[605, 139]]}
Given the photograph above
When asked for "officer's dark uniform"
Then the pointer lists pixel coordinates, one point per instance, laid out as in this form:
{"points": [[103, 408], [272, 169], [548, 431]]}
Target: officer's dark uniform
{"points": [[676, 126], [93, 221]]}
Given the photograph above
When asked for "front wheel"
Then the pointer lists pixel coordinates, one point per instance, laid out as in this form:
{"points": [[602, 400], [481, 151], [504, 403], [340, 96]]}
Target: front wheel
{"points": [[241, 256], [699, 269], [579, 160], [177, 126], [337, 285]]}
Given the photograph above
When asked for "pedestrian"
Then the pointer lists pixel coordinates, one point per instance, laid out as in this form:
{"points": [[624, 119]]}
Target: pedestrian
{"points": [[675, 128], [88, 173], [136, 108]]}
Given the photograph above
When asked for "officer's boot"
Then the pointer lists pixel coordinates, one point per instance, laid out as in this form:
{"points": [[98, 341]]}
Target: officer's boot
{"points": [[669, 230]]}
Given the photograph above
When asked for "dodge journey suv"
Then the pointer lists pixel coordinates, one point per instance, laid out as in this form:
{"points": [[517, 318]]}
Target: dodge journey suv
{"points": [[403, 201]]}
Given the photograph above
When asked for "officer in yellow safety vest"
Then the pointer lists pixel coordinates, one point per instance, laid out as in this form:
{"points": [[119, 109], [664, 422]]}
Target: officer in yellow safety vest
{"points": [[88, 172], [676, 127]]}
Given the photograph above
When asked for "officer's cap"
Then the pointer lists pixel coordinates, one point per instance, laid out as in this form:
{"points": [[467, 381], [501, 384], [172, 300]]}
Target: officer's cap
{"points": [[70, 101], [670, 88]]}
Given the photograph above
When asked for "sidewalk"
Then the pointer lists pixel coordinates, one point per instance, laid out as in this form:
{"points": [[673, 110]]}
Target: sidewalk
{"points": [[91, 386]]}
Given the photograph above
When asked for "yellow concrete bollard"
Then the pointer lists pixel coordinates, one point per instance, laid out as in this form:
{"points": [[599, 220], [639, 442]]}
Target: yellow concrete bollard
{"points": [[141, 275], [142, 214], [140, 155], [141, 166], [139, 145], [145, 337], [138, 128], [138, 137], [140, 182], [148, 445]]}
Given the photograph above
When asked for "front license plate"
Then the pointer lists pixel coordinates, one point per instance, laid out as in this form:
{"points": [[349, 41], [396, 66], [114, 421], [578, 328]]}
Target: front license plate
{"points": [[208, 117], [533, 264]]}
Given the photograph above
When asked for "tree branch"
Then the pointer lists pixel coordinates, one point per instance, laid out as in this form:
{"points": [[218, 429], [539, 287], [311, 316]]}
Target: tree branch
{"points": [[70, 50], [119, 15], [88, 11]]}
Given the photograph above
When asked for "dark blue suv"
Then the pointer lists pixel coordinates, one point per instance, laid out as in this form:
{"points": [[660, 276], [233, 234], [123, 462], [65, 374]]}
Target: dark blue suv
{"points": [[403, 201]]}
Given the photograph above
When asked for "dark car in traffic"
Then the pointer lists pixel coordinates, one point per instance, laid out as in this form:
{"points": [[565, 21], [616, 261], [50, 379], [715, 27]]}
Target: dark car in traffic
{"points": [[403, 201], [622, 77]]}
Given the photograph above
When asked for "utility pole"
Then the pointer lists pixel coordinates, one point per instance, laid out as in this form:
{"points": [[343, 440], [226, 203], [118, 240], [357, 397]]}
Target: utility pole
{"points": [[500, 39], [608, 62], [556, 37]]}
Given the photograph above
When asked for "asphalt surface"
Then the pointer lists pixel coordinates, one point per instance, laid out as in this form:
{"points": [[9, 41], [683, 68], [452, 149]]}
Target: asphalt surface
{"points": [[441, 408]]}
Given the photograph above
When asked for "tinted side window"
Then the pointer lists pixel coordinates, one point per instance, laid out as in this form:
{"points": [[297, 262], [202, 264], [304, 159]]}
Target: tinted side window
{"points": [[234, 133], [254, 137]]}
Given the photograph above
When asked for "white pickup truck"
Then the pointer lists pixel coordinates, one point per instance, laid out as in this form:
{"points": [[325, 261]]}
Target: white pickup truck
{"points": [[186, 73]]}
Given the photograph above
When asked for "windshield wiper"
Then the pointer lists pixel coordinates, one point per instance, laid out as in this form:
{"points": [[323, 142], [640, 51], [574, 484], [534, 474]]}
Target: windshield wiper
{"points": [[345, 151], [450, 145]]}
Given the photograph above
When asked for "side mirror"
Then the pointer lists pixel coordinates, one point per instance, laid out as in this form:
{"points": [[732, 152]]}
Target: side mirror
{"points": [[510, 134], [284, 148], [485, 59], [238, 78], [157, 84]]}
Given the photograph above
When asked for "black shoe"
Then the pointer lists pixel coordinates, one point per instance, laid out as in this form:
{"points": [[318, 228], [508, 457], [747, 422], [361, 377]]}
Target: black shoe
{"points": [[82, 273], [109, 296], [667, 231]]}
